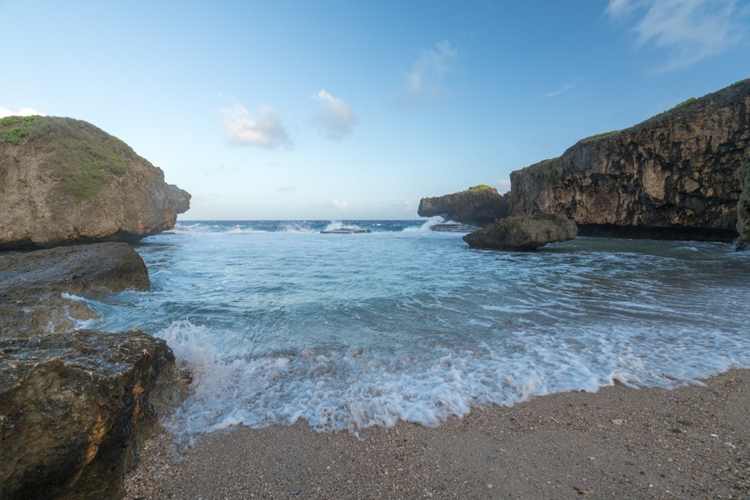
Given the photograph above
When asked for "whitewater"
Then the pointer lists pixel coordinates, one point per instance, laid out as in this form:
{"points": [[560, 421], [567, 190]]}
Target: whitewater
{"points": [[278, 322]]}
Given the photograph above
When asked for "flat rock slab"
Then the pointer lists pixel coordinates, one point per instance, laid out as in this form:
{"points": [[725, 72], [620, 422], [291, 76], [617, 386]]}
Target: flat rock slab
{"points": [[523, 233], [32, 283]]}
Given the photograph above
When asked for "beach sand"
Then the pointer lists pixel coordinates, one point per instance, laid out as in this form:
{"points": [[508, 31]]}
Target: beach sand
{"points": [[692, 442]]}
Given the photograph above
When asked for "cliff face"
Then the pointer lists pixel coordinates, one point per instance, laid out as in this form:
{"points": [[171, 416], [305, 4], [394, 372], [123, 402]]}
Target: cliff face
{"points": [[743, 211], [65, 181], [676, 175], [479, 205]]}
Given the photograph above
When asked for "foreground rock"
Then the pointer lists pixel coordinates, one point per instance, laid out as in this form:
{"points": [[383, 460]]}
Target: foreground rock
{"points": [[73, 407], [32, 284], [677, 175], [523, 233], [65, 180], [743, 211], [476, 206]]}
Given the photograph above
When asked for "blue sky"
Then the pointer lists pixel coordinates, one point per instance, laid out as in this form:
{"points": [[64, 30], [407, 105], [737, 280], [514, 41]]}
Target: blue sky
{"points": [[340, 110]]}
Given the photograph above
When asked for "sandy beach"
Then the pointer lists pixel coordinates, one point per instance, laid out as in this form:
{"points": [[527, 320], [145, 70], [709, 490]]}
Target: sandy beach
{"points": [[692, 442]]}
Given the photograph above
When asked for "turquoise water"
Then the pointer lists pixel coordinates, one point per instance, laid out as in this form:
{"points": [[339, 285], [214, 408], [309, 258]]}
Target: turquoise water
{"points": [[279, 322]]}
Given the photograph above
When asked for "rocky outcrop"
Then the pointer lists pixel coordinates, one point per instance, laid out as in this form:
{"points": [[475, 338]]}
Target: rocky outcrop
{"points": [[73, 408], [676, 175], [478, 205], [743, 211], [522, 233], [33, 284], [64, 181]]}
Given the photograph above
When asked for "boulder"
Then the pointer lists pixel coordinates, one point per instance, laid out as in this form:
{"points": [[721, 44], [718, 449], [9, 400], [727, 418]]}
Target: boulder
{"points": [[33, 284], [677, 175], [73, 408], [478, 205], [64, 181], [743, 211], [523, 233]]}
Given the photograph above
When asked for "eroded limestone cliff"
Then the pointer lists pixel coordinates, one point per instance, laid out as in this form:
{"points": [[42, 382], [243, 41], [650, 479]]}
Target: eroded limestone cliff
{"points": [[65, 181], [676, 175]]}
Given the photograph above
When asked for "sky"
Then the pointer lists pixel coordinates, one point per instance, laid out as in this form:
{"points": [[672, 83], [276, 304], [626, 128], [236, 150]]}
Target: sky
{"points": [[345, 110]]}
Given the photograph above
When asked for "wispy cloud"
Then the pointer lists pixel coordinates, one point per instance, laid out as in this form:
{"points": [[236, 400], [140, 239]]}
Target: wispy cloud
{"points": [[18, 112], [688, 30], [429, 70], [565, 88], [286, 189], [340, 204], [335, 117], [264, 130]]}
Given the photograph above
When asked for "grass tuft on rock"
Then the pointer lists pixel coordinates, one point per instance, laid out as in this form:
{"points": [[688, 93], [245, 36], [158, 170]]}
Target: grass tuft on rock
{"points": [[482, 187], [16, 129]]}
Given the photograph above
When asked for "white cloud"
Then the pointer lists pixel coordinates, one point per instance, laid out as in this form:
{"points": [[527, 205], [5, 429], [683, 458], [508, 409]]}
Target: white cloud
{"points": [[336, 118], [430, 69], [18, 112], [340, 204], [617, 8], [264, 130], [688, 30], [565, 88]]}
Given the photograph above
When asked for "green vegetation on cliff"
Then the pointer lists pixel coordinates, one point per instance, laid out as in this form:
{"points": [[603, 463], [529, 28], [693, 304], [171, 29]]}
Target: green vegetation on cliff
{"points": [[482, 187], [15, 129], [85, 158]]}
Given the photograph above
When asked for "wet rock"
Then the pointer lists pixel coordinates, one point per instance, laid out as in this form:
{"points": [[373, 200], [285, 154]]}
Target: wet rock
{"points": [[743, 211], [523, 233], [32, 284], [73, 409], [677, 175], [478, 205], [64, 181]]}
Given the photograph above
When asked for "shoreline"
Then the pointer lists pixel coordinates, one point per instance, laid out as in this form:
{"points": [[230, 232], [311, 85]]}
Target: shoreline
{"points": [[693, 441]]}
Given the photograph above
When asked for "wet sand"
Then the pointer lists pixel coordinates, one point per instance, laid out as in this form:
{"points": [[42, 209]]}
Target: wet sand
{"points": [[692, 442]]}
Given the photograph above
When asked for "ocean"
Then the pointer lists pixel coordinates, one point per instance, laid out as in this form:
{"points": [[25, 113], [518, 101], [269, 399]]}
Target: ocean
{"points": [[278, 322]]}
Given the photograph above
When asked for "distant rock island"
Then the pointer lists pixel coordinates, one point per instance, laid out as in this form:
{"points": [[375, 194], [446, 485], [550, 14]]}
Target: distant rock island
{"points": [[65, 181], [477, 206], [677, 175]]}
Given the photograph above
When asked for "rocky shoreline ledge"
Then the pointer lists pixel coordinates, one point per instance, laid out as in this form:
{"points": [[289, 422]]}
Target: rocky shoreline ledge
{"points": [[75, 404]]}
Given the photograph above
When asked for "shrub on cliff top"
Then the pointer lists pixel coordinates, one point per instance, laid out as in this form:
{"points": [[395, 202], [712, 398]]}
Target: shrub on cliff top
{"points": [[482, 187]]}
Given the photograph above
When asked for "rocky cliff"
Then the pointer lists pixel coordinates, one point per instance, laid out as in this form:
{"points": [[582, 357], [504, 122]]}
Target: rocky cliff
{"points": [[676, 175], [478, 205], [65, 180], [743, 211]]}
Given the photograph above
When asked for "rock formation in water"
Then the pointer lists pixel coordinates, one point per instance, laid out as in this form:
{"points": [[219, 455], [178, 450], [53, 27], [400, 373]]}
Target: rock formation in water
{"points": [[73, 407], [73, 404], [65, 180], [743, 211], [32, 284], [478, 205], [676, 175], [523, 233]]}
